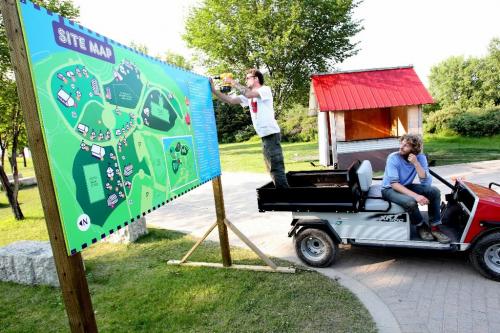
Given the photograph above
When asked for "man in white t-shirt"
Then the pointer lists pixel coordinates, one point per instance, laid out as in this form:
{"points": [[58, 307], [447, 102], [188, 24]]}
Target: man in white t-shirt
{"points": [[259, 99]]}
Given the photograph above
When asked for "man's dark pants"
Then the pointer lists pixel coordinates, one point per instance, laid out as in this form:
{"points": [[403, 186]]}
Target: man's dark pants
{"points": [[273, 156], [411, 206]]}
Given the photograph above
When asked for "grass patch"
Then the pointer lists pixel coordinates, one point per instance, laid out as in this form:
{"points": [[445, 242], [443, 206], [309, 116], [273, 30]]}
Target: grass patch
{"points": [[247, 156], [455, 149], [27, 171], [32, 227], [444, 150], [134, 290]]}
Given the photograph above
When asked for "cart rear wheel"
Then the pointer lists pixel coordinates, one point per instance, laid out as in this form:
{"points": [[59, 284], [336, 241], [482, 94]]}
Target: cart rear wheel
{"points": [[485, 256], [315, 247]]}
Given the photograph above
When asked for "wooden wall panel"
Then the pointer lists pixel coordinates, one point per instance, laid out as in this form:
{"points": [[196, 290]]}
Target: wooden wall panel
{"points": [[367, 124]]}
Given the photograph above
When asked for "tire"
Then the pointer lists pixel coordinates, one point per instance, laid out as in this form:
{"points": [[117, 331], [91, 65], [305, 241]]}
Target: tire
{"points": [[485, 256], [315, 247]]}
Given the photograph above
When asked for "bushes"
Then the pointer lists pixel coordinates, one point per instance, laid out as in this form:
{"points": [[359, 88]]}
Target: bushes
{"points": [[438, 121], [297, 126], [235, 125], [473, 122], [477, 122]]}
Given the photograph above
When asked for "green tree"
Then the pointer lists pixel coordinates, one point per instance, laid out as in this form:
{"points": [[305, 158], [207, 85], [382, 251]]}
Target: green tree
{"points": [[287, 39], [139, 47], [233, 122], [12, 128], [177, 60], [468, 83]]}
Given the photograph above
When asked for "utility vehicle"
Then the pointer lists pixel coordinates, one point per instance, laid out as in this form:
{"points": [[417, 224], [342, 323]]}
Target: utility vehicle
{"points": [[332, 207]]}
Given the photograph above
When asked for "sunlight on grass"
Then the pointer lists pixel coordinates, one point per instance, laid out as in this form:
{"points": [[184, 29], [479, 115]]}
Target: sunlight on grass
{"points": [[247, 156], [24, 171], [133, 289]]}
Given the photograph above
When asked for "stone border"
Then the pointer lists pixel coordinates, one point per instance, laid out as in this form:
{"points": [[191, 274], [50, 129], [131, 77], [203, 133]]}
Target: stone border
{"points": [[380, 312]]}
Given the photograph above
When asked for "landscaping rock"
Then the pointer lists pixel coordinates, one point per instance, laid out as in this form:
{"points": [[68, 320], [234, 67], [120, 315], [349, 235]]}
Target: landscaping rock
{"points": [[26, 181], [28, 262], [130, 233]]}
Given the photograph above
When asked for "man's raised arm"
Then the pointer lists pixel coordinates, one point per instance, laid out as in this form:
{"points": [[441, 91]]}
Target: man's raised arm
{"points": [[223, 97]]}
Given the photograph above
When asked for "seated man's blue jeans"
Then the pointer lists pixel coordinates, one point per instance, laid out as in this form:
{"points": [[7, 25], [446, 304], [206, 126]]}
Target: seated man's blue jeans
{"points": [[411, 206]]}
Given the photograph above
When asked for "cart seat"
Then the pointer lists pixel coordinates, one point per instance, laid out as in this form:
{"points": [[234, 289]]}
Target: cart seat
{"points": [[372, 194]]}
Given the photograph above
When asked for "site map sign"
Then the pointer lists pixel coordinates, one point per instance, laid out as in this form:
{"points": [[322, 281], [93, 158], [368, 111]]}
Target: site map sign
{"points": [[125, 133]]}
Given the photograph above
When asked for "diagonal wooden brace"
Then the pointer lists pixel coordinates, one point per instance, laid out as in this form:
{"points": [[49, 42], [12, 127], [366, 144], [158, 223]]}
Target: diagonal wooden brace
{"points": [[251, 245], [212, 227]]}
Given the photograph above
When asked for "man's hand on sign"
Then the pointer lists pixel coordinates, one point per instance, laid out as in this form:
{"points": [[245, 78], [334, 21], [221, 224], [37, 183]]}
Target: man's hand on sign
{"points": [[212, 84]]}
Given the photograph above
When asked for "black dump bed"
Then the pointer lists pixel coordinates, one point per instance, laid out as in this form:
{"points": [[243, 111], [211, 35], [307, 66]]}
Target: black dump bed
{"points": [[319, 191]]}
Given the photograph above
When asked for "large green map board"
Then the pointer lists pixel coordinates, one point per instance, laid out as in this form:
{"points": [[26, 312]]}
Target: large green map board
{"points": [[125, 133]]}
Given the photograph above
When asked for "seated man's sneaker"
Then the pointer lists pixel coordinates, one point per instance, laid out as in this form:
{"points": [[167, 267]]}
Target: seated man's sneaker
{"points": [[424, 233], [440, 237]]}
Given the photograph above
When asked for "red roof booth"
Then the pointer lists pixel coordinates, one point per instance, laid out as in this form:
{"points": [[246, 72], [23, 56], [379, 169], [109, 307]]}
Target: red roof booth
{"points": [[362, 114]]}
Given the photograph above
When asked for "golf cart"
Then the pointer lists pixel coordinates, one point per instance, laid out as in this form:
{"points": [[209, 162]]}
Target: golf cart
{"points": [[330, 207]]}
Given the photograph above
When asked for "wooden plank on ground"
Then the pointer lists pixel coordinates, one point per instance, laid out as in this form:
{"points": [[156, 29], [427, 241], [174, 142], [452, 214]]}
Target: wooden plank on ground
{"points": [[278, 269]]}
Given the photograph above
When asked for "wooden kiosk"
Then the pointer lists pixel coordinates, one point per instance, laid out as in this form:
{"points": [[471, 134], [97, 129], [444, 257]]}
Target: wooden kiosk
{"points": [[361, 114]]}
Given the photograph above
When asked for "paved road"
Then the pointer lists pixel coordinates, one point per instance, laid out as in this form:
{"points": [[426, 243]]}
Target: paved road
{"points": [[404, 290]]}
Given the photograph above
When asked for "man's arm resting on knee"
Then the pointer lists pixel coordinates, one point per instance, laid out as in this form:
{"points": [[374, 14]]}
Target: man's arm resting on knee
{"points": [[404, 190]]}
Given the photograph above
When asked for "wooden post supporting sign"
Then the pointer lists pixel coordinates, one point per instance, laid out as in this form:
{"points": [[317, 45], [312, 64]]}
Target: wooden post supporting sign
{"points": [[221, 217], [223, 224], [70, 269]]}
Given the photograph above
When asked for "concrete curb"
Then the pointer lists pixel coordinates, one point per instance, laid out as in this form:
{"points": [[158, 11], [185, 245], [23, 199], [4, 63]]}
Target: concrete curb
{"points": [[381, 314]]}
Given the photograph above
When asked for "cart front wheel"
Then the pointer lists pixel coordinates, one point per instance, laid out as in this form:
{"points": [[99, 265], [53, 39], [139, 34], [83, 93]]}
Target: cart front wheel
{"points": [[315, 247], [485, 256]]}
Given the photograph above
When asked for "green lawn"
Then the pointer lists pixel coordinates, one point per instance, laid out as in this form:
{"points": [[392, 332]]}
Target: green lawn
{"points": [[27, 171], [32, 228], [444, 150], [248, 157], [133, 289], [453, 149]]}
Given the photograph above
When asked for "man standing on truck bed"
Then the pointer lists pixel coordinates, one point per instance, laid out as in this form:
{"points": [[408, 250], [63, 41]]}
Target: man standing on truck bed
{"points": [[259, 99], [397, 186]]}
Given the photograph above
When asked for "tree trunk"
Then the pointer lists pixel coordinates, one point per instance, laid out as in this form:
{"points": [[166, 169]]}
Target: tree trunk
{"points": [[24, 159], [13, 191], [4, 149], [15, 173], [9, 191]]}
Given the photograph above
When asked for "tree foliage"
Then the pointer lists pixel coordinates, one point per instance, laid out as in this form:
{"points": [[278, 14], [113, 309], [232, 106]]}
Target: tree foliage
{"points": [[139, 47], [468, 83], [297, 126], [12, 128], [477, 122], [177, 59], [287, 39], [233, 123]]}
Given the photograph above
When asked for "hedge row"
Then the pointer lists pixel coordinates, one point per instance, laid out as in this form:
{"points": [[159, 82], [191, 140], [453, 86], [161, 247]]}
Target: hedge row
{"points": [[473, 122]]}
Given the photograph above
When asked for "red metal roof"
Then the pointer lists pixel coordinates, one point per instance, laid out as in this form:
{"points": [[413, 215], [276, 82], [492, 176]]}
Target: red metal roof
{"points": [[368, 89]]}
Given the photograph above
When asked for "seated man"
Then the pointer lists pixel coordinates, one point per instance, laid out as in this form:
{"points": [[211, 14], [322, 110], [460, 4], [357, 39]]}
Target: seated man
{"points": [[397, 186]]}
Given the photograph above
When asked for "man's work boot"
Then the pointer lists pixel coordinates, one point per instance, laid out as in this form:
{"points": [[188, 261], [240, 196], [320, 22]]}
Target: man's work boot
{"points": [[424, 233], [440, 237]]}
